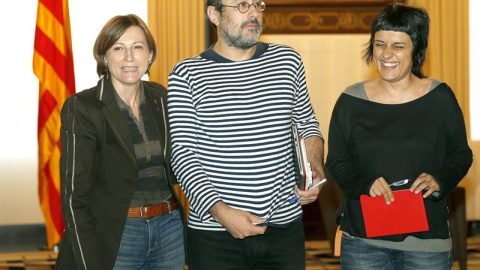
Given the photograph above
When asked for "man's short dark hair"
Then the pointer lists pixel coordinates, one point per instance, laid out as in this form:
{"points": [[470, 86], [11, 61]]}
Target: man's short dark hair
{"points": [[215, 3]]}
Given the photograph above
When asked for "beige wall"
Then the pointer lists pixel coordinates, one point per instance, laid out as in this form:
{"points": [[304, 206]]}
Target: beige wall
{"points": [[332, 62], [472, 184]]}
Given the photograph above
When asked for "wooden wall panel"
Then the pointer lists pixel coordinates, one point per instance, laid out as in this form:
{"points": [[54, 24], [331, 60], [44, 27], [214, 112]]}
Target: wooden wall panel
{"points": [[320, 16]]}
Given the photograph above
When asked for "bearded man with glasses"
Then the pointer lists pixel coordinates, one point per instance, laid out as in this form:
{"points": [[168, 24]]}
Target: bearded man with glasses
{"points": [[230, 110]]}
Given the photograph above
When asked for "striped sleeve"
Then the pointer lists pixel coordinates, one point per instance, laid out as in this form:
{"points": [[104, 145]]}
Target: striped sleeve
{"points": [[303, 113], [185, 162]]}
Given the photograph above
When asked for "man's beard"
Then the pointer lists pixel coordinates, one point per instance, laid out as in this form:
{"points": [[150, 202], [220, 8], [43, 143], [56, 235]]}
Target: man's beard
{"points": [[239, 41]]}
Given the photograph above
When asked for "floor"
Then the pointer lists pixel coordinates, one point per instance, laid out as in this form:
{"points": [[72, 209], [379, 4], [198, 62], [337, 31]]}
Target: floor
{"points": [[319, 255], [24, 246]]}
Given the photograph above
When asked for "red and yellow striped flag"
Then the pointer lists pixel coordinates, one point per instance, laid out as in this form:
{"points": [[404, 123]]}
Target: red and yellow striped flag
{"points": [[53, 65]]}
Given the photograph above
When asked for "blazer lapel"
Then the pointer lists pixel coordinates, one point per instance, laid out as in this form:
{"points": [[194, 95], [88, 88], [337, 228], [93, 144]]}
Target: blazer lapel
{"points": [[115, 118], [157, 109]]}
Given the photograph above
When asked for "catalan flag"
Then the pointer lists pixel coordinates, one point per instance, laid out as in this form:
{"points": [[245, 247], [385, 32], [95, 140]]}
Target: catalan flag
{"points": [[53, 65]]}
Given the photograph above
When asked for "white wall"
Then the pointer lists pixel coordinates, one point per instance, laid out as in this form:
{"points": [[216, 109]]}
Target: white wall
{"points": [[19, 93], [87, 17]]}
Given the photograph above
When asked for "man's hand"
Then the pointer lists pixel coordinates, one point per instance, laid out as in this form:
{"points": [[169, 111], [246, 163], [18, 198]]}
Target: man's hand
{"points": [[237, 222], [309, 196], [314, 146]]}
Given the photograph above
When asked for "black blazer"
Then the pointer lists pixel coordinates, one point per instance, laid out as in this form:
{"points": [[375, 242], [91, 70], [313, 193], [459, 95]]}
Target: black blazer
{"points": [[99, 173]]}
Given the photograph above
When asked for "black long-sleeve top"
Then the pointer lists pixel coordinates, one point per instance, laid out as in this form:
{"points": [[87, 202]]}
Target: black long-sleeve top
{"points": [[368, 140]]}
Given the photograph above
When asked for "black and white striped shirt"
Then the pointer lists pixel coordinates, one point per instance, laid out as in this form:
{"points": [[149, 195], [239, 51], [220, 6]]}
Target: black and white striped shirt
{"points": [[230, 129]]}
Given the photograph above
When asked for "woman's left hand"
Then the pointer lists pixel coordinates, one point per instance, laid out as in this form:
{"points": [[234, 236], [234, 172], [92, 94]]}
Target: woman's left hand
{"points": [[425, 182]]}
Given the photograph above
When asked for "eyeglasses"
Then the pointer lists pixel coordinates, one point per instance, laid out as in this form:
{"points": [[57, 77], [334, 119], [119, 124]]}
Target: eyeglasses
{"points": [[243, 7]]}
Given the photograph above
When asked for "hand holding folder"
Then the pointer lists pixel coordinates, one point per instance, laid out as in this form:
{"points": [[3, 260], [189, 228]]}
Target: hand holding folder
{"points": [[303, 171], [404, 215]]}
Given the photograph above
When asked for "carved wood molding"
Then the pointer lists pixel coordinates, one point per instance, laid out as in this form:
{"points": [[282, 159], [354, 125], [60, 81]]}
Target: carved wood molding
{"points": [[320, 16]]}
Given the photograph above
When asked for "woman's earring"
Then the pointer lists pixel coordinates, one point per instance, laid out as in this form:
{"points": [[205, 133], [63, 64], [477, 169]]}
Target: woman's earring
{"points": [[106, 70], [149, 66]]}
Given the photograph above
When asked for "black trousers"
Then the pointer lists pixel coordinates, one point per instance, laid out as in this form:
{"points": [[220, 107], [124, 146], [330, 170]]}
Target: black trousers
{"points": [[277, 249]]}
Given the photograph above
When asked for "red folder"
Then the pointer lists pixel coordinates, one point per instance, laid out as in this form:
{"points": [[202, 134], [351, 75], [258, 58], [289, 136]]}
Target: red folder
{"points": [[406, 214]]}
